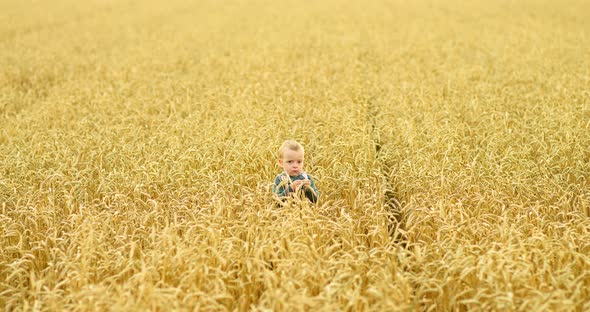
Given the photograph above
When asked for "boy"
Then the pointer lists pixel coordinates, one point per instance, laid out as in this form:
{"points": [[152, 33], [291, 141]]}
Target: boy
{"points": [[293, 181]]}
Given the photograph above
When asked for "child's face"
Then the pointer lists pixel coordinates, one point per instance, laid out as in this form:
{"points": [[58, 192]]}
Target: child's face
{"points": [[292, 162]]}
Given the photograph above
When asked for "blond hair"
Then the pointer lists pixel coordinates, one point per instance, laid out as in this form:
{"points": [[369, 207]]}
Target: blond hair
{"points": [[290, 145]]}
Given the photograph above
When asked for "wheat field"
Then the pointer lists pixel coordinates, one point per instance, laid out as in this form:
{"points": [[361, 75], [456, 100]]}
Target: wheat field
{"points": [[450, 141]]}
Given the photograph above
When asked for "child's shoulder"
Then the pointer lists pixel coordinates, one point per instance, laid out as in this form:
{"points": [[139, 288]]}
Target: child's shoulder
{"points": [[307, 175], [281, 177]]}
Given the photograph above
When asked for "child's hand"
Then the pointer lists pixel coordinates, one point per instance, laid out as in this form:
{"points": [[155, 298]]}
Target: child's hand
{"points": [[295, 185], [300, 183], [306, 183]]}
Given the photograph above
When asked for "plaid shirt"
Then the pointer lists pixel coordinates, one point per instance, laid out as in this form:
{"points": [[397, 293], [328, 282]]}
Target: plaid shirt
{"points": [[282, 186]]}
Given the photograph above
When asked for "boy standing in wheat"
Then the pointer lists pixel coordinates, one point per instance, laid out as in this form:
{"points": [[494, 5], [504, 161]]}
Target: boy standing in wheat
{"points": [[294, 181]]}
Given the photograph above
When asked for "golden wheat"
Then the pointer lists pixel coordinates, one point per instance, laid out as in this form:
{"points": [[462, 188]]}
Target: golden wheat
{"points": [[450, 141]]}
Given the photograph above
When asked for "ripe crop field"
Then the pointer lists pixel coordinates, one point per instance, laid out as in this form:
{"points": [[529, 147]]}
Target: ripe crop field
{"points": [[450, 141]]}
